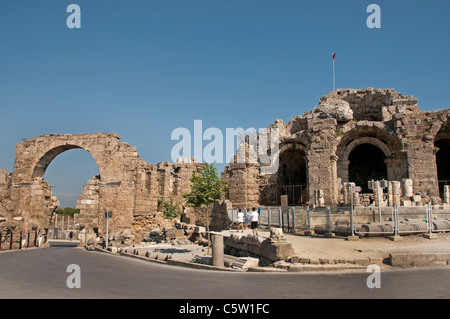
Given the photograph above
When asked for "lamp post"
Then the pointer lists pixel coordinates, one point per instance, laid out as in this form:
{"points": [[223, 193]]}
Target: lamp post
{"points": [[108, 215]]}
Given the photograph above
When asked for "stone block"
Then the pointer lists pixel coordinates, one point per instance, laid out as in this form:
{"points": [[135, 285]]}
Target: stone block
{"points": [[199, 229], [276, 251]]}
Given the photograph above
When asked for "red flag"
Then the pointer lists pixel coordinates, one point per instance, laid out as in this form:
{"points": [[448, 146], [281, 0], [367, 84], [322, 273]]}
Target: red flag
{"points": [[334, 55]]}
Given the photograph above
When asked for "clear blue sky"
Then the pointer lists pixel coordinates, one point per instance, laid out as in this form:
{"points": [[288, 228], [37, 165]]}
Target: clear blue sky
{"points": [[142, 68]]}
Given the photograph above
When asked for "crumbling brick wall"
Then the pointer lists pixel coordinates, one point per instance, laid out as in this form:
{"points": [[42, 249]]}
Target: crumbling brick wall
{"points": [[330, 132]]}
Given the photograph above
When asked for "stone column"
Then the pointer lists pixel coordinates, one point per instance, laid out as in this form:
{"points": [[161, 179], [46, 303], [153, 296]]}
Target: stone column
{"points": [[407, 185], [396, 193], [407, 190], [217, 251], [446, 194], [390, 196]]}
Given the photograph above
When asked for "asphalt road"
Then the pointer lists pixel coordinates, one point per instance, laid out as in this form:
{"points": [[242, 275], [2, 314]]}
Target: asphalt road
{"points": [[42, 273]]}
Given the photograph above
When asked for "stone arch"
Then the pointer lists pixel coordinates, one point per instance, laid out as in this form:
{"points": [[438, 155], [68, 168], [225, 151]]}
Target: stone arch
{"points": [[367, 161], [292, 174], [366, 140], [377, 137], [116, 161], [442, 157], [50, 155]]}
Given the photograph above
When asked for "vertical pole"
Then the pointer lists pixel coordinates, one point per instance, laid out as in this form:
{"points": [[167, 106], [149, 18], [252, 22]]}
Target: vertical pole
{"points": [[379, 201], [288, 219], [430, 218], [107, 224], [334, 81], [280, 219], [308, 218], [293, 220], [328, 221], [395, 220], [351, 209]]}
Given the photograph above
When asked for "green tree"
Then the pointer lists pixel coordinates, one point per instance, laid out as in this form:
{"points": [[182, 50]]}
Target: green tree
{"points": [[207, 188], [169, 208], [67, 211]]}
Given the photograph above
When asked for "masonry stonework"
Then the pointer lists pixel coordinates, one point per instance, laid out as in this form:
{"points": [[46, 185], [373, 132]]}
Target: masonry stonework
{"points": [[126, 184], [351, 136]]}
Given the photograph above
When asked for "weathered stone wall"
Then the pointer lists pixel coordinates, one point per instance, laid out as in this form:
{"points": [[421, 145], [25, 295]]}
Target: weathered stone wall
{"points": [[127, 185], [327, 135], [322, 141]]}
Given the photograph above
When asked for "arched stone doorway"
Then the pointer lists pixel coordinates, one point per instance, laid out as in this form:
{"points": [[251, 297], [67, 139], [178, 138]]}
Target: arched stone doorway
{"points": [[68, 174], [366, 153], [292, 177], [442, 153], [43, 163], [116, 162], [367, 162]]}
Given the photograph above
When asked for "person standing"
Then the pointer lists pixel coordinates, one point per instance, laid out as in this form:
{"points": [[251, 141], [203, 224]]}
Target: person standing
{"points": [[23, 239], [240, 220], [39, 238], [254, 221], [248, 217]]}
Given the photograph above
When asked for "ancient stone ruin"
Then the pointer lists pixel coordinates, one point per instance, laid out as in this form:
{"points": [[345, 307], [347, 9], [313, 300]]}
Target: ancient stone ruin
{"points": [[351, 137], [127, 185]]}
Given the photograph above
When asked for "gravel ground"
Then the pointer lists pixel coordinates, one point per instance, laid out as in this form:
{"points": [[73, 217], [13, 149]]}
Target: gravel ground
{"points": [[376, 247]]}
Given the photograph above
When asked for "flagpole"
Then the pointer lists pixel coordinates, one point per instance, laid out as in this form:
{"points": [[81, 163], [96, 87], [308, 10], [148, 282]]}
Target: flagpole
{"points": [[334, 80]]}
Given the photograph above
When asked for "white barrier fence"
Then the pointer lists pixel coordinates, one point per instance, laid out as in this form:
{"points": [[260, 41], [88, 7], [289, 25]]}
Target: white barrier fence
{"points": [[362, 221]]}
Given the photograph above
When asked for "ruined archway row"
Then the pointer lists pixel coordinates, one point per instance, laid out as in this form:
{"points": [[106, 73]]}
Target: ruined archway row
{"points": [[127, 185], [351, 136]]}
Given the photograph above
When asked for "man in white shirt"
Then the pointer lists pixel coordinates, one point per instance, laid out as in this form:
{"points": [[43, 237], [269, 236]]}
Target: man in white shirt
{"points": [[240, 220], [254, 221]]}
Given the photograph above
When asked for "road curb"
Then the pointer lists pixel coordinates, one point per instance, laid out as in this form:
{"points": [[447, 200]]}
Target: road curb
{"points": [[397, 260], [169, 261], [404, 260]]}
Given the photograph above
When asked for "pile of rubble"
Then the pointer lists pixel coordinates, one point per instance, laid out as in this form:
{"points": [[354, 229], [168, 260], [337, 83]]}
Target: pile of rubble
{"points": [[268, 250], [181, 234]]}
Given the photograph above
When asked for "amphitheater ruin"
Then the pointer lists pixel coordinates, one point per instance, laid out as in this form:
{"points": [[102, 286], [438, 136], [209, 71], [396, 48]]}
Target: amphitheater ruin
{"points": [[352, 136]]}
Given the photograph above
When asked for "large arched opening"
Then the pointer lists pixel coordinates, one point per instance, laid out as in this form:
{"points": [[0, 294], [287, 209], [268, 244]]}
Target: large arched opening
{"points": [[292, 177], [442, 152], [113, 160], [67, 174], [367, 162], [66, 170], [368, 152]]}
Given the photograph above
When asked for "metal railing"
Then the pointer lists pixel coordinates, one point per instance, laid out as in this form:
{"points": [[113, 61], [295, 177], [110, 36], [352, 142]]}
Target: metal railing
{"points": [[362, 221], [294, 218], [403, 220], [297, 194]]}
